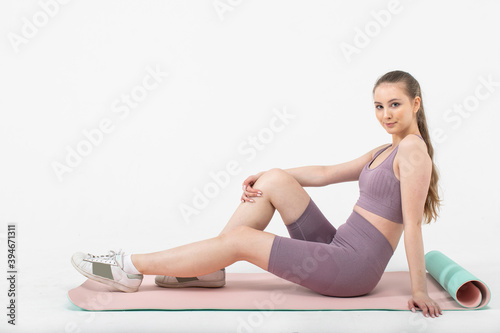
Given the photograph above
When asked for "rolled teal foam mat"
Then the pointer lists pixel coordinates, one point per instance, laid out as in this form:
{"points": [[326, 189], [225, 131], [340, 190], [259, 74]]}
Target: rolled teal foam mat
{"points": [[465, 288]]}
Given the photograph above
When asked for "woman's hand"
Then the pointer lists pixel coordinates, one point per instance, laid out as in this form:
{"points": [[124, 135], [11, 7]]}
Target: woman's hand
{"points": [[423, 302], [248, 190]]}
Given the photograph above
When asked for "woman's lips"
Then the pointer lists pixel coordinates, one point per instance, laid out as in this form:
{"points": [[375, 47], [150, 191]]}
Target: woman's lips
{"points": [[389, 124]]}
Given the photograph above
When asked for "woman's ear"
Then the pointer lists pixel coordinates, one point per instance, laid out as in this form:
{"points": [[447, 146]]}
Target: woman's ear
{"points": [[416, 104]]}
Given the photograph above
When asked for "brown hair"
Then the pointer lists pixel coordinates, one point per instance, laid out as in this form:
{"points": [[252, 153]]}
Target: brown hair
{"points": [[412, 87]]}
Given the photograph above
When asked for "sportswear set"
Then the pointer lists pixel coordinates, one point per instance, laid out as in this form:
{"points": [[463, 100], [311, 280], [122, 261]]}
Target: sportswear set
{"points": [[344, 262]]}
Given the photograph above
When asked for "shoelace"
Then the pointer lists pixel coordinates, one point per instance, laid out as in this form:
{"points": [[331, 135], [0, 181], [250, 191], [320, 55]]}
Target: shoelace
{"points": [[109, 258]]}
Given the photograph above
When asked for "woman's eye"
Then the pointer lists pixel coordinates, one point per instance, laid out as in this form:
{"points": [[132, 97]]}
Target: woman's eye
{"points": [[395, 105], [378, 107]]}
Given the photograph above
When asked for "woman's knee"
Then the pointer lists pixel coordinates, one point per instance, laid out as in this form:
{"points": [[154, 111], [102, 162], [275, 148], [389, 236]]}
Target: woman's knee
{"points": [[235, 238], [275, 177], [246, 242]]}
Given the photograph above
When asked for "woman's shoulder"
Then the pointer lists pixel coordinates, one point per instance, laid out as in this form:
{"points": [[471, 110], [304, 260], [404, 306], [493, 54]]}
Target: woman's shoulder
{"points": [[412, 142], [378, 149], [413, 150]]}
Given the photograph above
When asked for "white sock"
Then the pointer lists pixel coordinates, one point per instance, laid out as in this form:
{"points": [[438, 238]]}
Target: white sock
{"points": [[128, 265]]}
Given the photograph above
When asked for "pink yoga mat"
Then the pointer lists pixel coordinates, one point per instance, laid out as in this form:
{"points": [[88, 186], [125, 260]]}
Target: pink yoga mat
{"points": [[255, 291]]}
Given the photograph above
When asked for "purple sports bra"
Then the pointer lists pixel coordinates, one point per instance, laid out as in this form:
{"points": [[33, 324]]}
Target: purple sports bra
{"points": [[380, 190]]}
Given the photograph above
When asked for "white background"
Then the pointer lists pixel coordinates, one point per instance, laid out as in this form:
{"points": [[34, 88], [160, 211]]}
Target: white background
{"points": [[228, 69]]}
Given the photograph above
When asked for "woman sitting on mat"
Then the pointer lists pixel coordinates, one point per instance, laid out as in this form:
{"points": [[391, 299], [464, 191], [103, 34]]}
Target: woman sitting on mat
{"points": [[398, 189]]}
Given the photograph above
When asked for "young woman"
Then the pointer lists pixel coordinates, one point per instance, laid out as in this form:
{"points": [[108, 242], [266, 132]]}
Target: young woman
{"points": [[398, 191]]}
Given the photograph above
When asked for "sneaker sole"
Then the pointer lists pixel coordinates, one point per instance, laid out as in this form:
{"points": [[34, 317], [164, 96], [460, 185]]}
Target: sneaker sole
{"points": [[200, 284], [105, 281]]}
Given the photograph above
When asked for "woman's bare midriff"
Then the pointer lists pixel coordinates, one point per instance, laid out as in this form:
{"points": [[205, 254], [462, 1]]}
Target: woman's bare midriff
{"points": [[391, 230]]}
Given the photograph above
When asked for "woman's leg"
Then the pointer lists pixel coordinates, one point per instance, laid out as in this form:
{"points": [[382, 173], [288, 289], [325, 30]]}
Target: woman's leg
{"points": [[241, 239], [207, 256], [279, 191]]}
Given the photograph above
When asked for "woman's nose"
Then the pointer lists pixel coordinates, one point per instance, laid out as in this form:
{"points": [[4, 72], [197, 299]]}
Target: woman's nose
{"points": [[387, 114]]}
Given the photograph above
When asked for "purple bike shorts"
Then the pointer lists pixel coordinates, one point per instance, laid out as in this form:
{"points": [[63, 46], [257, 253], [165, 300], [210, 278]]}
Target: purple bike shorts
{"points": [[344, 262]]}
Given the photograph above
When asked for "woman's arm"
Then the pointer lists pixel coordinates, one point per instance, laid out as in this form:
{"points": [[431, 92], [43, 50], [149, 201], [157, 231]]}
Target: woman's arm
{"points": [[415, 167], [313, 175], [316, 175], [331, 174]]}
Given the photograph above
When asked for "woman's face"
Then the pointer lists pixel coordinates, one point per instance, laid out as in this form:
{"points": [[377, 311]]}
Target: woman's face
{"points": [[395, 111]]}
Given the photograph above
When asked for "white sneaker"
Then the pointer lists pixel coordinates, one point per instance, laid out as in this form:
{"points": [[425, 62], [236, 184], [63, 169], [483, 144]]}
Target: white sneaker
{"points": [[107, 269], [213, 280]]}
